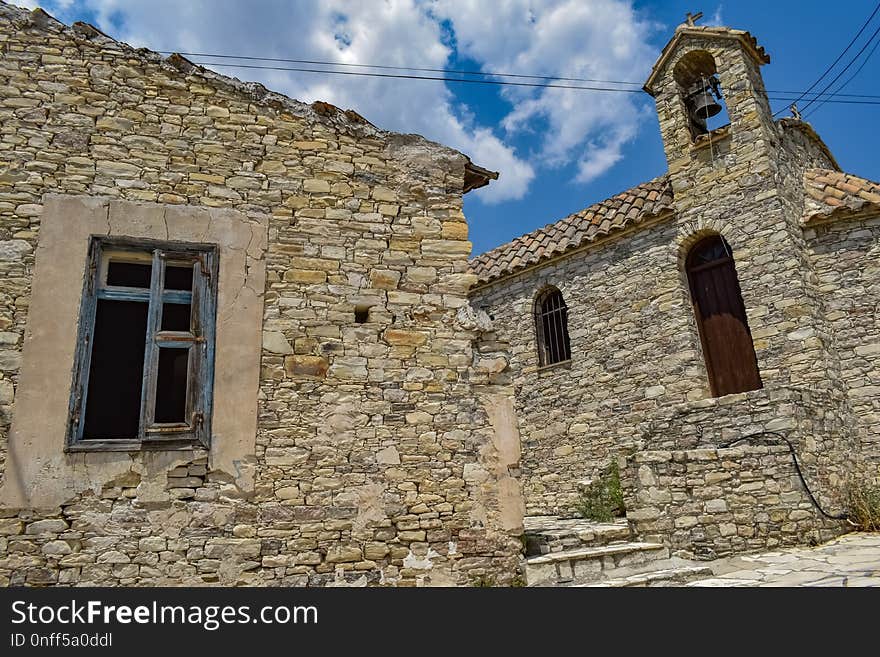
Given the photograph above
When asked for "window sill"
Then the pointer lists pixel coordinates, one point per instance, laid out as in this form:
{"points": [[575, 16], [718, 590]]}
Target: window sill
{"points": [[563, 364], [135, 446], [716, 135]]}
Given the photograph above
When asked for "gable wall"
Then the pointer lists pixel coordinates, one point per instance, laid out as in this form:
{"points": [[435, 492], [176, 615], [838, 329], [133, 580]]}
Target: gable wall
{"points": [[380, 453]]}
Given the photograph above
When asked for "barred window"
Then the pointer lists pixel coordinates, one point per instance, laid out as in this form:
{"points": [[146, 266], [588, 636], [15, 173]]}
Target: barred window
{"points": [[551, 327]]}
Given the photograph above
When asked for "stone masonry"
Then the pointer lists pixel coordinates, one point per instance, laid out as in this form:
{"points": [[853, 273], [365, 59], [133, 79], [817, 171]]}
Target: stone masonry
{"points": [[376, 451], [380, 416], [712, 503], [804, 238]]}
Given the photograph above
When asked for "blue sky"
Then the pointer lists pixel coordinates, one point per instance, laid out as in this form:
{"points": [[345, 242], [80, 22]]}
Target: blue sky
{"points": [[557, 150]]}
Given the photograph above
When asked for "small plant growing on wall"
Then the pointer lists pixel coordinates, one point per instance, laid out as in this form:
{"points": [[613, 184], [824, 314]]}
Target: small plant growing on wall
{"points": [[602, 501], [483, 581], [863, 502]]}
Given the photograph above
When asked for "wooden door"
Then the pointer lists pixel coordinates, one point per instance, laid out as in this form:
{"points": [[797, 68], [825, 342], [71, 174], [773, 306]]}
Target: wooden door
{"points": [[721, 318]]}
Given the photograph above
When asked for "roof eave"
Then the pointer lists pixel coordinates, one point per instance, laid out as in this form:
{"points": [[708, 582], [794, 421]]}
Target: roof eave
{"points": [[476, 176]]}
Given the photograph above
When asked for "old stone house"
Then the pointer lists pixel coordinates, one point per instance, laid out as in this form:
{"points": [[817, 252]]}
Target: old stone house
{"points": [[735, 295], [307, 406]]}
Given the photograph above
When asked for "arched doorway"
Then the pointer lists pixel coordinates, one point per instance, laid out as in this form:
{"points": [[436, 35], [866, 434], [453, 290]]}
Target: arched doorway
{"points": [[721, 317]]}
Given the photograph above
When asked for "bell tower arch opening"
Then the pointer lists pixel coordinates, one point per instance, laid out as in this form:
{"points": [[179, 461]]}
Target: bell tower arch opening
{"points": [[711, 103], [700, 87]]}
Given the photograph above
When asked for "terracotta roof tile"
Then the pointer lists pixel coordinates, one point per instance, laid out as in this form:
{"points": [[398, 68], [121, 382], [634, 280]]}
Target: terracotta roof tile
{"points": [[827, 192], [835, 192], [632, 206]]}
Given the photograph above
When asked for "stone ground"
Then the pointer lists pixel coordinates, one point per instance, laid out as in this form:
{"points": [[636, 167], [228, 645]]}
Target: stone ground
{"points": [[852, 560]]}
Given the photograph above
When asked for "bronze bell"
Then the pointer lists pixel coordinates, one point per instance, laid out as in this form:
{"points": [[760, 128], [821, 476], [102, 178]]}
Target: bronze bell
{"points": [[703, 103]]}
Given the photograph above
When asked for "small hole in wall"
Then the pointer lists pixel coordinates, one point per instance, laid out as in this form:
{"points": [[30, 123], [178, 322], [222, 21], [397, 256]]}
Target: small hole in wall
{"points": [[361, 314]]}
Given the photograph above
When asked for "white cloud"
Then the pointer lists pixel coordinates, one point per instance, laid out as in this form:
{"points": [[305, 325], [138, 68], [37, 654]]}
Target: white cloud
{"points": [[597, 40], [54, 5], [716, 18], [602, 39]]}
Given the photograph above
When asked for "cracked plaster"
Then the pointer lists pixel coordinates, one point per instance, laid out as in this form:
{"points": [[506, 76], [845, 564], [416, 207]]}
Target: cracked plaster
{"points": [[39, 473]]}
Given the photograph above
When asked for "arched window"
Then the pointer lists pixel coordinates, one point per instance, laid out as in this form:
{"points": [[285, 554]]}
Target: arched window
{"points": [[721, 318], [551, 327]]}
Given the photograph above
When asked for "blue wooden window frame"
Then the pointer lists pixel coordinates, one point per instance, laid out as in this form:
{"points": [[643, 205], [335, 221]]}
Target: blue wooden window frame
{"points": [[195, 430]]}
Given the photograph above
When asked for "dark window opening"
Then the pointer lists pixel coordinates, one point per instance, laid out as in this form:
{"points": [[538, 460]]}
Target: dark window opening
{"points": [[113, 405], [551, 326], [129, 274], [362, 314], [175, 316], [178, 278], [728, 349], [171, 385], [144, 365]]}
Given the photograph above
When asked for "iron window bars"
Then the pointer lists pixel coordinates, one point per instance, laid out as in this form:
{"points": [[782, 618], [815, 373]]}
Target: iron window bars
{"points": [[551, 326]]}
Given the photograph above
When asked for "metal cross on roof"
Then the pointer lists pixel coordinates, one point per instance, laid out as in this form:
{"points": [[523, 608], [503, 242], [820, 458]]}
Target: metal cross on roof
{"points": [[691, 19]]}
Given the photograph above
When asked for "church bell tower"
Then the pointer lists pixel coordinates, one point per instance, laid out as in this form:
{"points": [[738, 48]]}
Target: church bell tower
{"points": [[703, 75]]}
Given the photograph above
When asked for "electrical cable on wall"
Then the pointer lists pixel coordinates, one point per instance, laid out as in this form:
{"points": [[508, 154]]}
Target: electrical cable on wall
{"points": [[797, 468]]}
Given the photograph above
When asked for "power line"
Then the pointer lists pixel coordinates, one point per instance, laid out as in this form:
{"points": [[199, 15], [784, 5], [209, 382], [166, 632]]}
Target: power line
{"points": [[839, 57], [422, 77], [402, 68], [817, 94], [846, 68], [853, 76], [445, 71], [859, 69], [839, 102], [477, 81]]}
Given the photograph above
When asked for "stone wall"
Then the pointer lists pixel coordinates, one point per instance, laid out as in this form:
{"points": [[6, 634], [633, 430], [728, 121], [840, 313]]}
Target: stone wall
{"points": [[709, 503], [846, 257], [626, 303], [637, 376], [819, 424], [383, 449]]}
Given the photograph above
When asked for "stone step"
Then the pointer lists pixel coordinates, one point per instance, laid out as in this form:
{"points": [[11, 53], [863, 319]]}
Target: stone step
{"points": [[666, 577], [591, 564], [545, 535]]}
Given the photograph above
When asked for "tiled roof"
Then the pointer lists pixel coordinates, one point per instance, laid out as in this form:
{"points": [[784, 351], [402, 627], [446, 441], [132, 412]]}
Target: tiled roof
{"points": [[831, 192], [630, 207]]}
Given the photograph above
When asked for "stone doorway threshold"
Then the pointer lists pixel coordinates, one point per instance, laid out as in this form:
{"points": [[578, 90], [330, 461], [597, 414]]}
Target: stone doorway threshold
{"points": [[576, 552], [581, 553]]}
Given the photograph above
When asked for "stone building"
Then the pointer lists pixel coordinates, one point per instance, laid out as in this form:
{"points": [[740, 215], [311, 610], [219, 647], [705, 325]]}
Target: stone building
{"points": [[241, 342], [734, 295], [236, 331]]}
